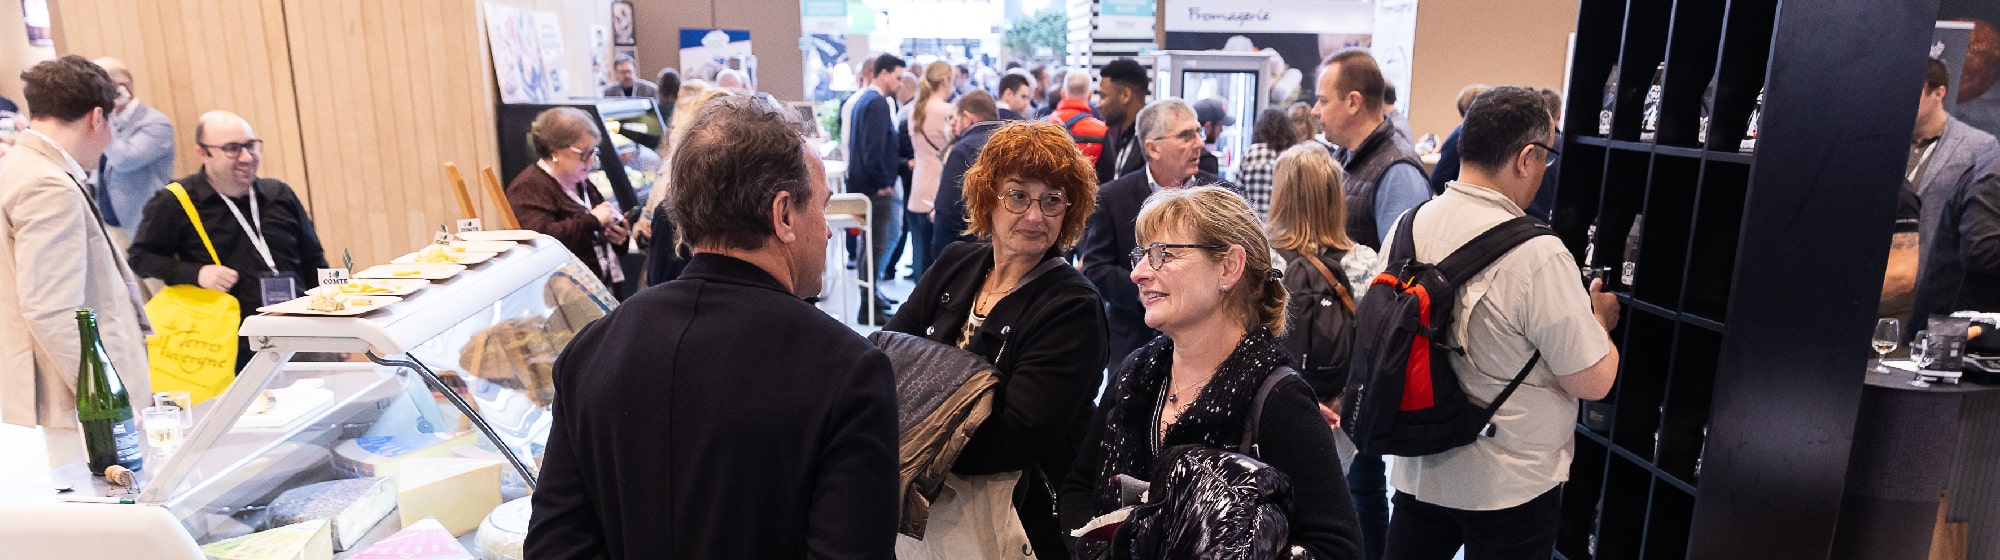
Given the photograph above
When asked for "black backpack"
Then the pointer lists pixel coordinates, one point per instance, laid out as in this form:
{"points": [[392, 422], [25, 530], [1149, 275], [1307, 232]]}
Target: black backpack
{"points": [[1320, 315], [1403, 398]]}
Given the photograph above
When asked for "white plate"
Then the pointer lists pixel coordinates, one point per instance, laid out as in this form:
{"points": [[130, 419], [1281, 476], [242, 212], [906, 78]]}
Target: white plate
{"points": [[484, 246], [426, 271], [397, 287], [465, 258], [500, 235], [356, 305]]}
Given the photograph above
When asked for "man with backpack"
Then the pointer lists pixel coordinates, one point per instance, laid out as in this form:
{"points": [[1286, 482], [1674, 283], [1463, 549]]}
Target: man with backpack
{"points": [[1475, 344], [1075, 116]]}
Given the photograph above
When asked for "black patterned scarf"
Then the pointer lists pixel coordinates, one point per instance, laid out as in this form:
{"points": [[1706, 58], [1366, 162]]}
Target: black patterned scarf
{"points": [[1214, 419]]}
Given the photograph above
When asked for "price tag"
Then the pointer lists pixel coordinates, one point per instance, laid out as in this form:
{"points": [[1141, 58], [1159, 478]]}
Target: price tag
{"points": [[332, 276], [470, 224], [442, 238]]}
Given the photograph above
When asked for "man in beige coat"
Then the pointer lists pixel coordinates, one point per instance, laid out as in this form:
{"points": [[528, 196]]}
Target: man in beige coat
{"points": [[56, 257]]}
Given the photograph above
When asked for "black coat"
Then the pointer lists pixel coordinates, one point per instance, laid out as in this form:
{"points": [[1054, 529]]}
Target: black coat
{"points": [[1046, 339], [1115, 141], [719, 416], [1962, 272], [1107, 258]]}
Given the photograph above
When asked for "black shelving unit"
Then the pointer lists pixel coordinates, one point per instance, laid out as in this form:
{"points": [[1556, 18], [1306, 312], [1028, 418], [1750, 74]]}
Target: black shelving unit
{"points": [[1757, 272]]}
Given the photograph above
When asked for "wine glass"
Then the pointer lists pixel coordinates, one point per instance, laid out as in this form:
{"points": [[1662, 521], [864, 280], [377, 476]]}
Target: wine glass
{"points": [[1887, 333], [1920, 352]]}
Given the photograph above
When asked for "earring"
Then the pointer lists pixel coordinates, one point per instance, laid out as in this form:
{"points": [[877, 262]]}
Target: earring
{"points": [[1225, 287]]}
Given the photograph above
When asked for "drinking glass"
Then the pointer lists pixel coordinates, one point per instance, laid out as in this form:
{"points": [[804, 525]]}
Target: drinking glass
{"points": [[179, 399], [1920, 352], [163, 428], [1887, 333]]}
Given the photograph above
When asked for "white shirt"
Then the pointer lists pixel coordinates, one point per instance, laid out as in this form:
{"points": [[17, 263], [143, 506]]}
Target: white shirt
{"points": [[1529, 300]]}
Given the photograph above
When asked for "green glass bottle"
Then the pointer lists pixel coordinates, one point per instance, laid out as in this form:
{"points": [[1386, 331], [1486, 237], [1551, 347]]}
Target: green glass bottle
{"points": [[110, 436]]}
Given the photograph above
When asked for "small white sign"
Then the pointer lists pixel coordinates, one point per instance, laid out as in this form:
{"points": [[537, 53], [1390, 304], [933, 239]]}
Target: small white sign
{"points": [[333, 277], [442, 238], [469, 224]]}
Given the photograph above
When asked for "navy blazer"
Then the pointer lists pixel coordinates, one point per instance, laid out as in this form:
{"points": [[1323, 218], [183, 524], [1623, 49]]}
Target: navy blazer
{"points": [[873, 156]]}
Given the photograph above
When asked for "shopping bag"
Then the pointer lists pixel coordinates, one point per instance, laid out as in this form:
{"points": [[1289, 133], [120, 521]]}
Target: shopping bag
{"points": [[193, 346]]}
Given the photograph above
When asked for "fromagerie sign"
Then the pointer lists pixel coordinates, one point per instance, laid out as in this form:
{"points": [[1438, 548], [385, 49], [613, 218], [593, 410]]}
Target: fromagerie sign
{"points": [[1271, 16]]}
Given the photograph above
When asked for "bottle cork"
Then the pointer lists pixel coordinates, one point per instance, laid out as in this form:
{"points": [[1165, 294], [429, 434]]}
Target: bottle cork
{"points": [[120, 476]]}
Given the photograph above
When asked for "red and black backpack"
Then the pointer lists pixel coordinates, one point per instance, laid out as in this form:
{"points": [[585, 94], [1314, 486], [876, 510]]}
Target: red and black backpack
{"points": [[1402, 397]]}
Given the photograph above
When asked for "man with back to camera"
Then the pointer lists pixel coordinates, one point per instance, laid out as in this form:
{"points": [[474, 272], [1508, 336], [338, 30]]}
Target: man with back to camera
{"points": [[1384, 176], [778, 435], [625, 80], [260, 229], [1074, 113], [1499, 496], [1213, 116], [1122, 85], [1017, 96], [59, 257], [874, 160], [973, 124], [1172, 138], [139, 161]]}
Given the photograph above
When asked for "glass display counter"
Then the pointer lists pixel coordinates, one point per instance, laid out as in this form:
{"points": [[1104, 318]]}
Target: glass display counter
{"points": [[308, 410]]}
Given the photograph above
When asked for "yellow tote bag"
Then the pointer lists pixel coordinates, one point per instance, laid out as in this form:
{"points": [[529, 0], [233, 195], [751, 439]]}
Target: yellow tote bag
{"points": [[193, 347]]}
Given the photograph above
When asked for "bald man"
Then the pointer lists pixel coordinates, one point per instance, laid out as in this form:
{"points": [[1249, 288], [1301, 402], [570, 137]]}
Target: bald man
{"points": [[139, 161], [266, 241]]}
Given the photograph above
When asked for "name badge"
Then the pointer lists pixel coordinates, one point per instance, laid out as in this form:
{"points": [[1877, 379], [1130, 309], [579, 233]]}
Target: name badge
{"points": [[276, 287]]}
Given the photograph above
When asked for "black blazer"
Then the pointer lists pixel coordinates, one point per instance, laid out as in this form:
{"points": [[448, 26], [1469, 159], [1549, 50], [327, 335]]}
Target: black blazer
{"points": [[1126, 140], [1107, 249], [1046, 339], [719, 416]]}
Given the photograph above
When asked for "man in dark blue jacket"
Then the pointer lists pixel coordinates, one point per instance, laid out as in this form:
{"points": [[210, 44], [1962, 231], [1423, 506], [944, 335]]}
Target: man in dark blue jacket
{"points": [[872, 163], [975, 120]]}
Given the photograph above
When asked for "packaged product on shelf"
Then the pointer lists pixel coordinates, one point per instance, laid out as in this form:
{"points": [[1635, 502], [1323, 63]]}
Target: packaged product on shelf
{"points": [[425, 539], [1589, 251], [1626, 273], [1649, 122], [1750, 135], [309, 540], [504, 533], [1610, 100], [351, 506]]}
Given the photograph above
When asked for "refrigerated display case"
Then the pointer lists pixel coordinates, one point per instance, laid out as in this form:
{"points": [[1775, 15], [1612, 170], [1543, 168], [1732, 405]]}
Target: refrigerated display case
{"points": [[486, 338], [1235, 79]]}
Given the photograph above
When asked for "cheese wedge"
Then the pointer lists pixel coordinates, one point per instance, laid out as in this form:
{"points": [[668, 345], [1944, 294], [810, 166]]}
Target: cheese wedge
{"points": [[352, 507], [380, 455], [423, 540], [311, 540], [458, 492]]}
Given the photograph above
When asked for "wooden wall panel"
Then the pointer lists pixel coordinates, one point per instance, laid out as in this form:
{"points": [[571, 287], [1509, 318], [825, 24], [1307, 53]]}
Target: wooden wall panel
{"points": [[361, 102], [182, 70]]}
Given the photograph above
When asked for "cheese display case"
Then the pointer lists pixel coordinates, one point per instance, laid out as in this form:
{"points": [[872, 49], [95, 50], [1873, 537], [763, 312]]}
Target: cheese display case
{"points": [[309, 456]]}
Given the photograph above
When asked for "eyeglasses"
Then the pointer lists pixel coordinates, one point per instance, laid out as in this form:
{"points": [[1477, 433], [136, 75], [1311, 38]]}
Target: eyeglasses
{"points": [[1017, 202], [235, 149], [1553, 153], [585, 155], [1196, 134], [1157, 255]]}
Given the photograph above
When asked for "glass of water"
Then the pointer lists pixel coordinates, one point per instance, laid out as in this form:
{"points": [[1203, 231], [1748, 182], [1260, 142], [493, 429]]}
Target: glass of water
{"points": [[1887, 333], [163, 428]]}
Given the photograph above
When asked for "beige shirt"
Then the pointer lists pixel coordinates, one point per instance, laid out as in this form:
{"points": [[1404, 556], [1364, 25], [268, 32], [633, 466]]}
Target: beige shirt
{"points": [[1528, 300]]}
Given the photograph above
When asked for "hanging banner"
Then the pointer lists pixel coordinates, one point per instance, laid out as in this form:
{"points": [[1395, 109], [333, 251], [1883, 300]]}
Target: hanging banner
{"points": [[822, 17], [1394, 41], [1271, 16], [713, 46], [1125, 19], [517, 55], [548, 34]]}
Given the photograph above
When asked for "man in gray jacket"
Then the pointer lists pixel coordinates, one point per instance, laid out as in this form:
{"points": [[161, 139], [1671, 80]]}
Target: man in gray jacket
{"points": [[1942, 149], [139, 161]]}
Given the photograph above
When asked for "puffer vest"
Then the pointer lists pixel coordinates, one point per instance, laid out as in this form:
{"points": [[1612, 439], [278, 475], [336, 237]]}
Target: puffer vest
{"points": [[1383, 149]]}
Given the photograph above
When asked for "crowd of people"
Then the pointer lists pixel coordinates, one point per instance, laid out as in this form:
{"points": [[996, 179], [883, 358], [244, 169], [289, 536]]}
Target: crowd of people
{"points": [[1141, 316], [1150, 327]]}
